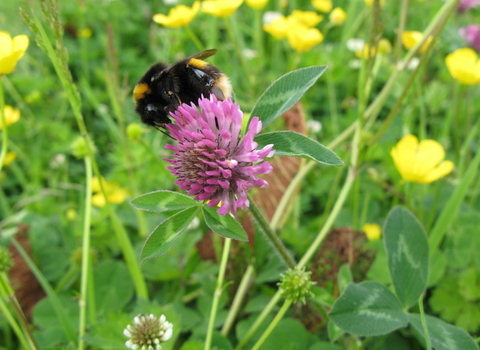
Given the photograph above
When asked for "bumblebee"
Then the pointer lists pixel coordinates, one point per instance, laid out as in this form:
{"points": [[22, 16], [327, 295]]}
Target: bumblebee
{"points": [[163, 88]]}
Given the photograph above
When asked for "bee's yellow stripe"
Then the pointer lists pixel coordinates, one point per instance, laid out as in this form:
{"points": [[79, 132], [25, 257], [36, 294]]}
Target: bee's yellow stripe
{"points": [[197, 63], [140, 91]]}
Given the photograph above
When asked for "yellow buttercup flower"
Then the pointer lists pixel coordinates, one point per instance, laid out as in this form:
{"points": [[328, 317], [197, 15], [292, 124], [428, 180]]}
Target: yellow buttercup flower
{"points": [[12, 115], [337, 16], [366, 52], [277, 27], [221, 8], [11, 50], [412, 38], [9, 158], [324, 6], [308, 18], [257, 4], [420, 162], [115, 194], [372, 231], [179, 16], [370, 2], [464, 66], [84, 33], [301, 38]]}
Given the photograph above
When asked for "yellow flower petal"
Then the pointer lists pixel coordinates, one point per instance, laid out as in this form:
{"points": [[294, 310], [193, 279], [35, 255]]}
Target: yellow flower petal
{"points": [[221, 8], [337, 16], [179, 16], [464, 66], [324, 6], [440, 171], [422, 162], [302, 38], [372, 231], [98, 200], [257, 4], [12, 115], [11, 50], [412, 38], [9, 158], [308, 18], [277, 28]]}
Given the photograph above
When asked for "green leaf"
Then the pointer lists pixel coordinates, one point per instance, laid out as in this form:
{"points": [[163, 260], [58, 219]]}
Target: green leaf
{"points": [[344, 277], [160, 201], [285, 92], [162, 238], [289, 334], [323, 345], [444, 336], [368, 309], [407, 251], [113, 286], [292, 144], [224, 225]]}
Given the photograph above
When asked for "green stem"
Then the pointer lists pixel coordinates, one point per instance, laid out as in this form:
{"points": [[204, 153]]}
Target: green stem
{"points": [[286, 305], [271, 236], [218, 293], [401, 28], [73, 95], [237, 301], [4, 126], [6, 293], [424, 323], [238, 48], [194, 38], [85, 253], [259, 321]]}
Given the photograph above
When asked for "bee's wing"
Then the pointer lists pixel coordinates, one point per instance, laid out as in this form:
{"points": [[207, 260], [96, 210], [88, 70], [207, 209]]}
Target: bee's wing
{"points": [[203, 54]]}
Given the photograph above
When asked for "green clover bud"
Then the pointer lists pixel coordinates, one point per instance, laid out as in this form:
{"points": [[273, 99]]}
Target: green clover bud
{"points": [[134, 131], [5, 259], [80, 148], [296, 285]]}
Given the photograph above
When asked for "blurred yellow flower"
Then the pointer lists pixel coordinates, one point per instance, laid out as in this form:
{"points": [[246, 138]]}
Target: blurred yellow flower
{"points": [[302, 38], [372, 231], [221, 8], [114, 193], [257, 4], [179, 16], [464, 66], [412, 38], [277, 27], [384, 46], [324, 6], [337, 16], [308, 18], [370, 2], [11, 50], [12, 115], [366, 52], [71, 214], [84, 33], [9, 158], [420, 162]]}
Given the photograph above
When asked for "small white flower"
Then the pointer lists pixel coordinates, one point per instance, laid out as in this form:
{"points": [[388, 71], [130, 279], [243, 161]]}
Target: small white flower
{"points": [[355, 44], [269, 16], [314, 126]]}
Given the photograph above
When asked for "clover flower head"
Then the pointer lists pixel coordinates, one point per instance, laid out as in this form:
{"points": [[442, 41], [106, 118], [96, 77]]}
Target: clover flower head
{"points": [[420, 162], [471, 34], [212, 161], [148, 332], [465, 5], [296, 285]]}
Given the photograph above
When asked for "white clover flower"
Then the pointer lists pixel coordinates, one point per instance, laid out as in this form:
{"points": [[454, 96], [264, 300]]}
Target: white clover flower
{"points": [[355, 44], [148, 332]]}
